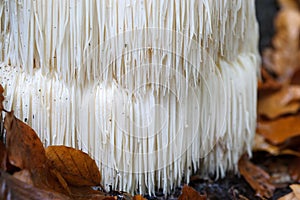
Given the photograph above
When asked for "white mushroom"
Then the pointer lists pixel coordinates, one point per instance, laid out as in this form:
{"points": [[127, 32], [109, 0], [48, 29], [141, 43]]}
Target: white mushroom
{"points": [[152, 90]]}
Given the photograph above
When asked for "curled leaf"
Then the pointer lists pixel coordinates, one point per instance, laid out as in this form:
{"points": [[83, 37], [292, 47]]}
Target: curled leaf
{"points": [[25, 149], [75, 166], [189, 193], [257, 178]]}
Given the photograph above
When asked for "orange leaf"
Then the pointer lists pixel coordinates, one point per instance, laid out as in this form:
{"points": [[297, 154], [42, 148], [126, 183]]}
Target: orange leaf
{"points": [[257, 178], [260, 144], [75, 166], [281, 102], [188, 193], [279, 130], [139, 197], [25, 149]]}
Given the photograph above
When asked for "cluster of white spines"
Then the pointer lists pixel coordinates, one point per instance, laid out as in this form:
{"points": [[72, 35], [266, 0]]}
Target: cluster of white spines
{"points": [[151, 89], [79, 40]]}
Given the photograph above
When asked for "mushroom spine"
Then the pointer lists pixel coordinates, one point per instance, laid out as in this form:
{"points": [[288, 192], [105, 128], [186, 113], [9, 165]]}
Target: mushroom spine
{"points": [[153, 90]]}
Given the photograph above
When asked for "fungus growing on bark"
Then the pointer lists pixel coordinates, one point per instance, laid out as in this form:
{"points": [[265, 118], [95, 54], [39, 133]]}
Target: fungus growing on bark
{"points": [[153, 90]]}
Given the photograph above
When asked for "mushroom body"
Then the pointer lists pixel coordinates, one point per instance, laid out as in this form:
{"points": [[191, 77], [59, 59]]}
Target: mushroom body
{"points": [[152, 90]]}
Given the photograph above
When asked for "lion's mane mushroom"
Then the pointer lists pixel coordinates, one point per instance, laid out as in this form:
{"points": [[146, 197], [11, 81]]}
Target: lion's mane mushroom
{"points": [[153, 90]]}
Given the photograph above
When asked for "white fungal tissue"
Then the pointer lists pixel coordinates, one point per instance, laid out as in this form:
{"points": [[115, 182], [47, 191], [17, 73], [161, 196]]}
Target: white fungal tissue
{"points": [[153, 90]]}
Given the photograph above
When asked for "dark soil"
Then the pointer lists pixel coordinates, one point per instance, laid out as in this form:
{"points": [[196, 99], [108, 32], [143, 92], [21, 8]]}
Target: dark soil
{"points": [[230, 187]]}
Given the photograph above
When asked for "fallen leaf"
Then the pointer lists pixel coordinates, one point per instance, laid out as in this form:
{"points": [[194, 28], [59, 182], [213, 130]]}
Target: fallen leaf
{"points": [[12, 188], [278, 169], [139, 197], [260, 144], [61, 180], [75, 166], [284, 101], [290, 4], [291, 143], [86, 192], [294, 195], [296, 190], [24, 175], [189, 193], [268, 83], [283, 58], [24, 148], [279, 130], [48, 179], [25, 151], [3, 156], [289, 196], [257, 178]]}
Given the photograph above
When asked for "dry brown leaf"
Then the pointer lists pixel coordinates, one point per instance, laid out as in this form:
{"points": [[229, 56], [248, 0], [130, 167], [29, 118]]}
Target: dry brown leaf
{"points": [[286, 148], [75, 166], [61, 180], [47, 179], [257, 178], [260, 144], [279, 130], [296, 190], [24, 148], [288, 4], [3, 156], [294, 195], [86, 192], [284, 101], [188, 193], [283, 59], [26, 151], [292, 144], [268, 83], [139, 197], [12, 188], [289, 196]]}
